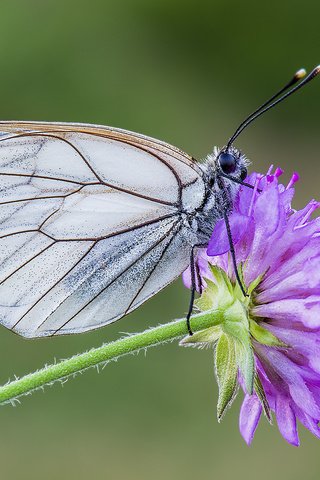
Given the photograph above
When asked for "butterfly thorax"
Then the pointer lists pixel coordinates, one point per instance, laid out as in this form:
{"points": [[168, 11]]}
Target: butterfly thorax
{"points": [[219, 197]]}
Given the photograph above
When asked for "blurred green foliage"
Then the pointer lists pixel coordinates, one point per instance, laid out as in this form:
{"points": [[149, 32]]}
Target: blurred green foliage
{"points": [[186, 72]]}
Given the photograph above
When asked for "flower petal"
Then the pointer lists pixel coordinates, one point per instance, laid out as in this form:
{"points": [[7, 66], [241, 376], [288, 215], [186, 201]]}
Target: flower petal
{"points": [[308, 422], [244, 199], [297, 272], [186, 278], [219, 241], [268, 217], [250, 414], [305, 343], [286, 420], [204, 271], [302, 310], [291, 375]]}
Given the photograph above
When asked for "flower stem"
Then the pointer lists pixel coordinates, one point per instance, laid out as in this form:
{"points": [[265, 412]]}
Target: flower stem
{"points": [[103, 354]]}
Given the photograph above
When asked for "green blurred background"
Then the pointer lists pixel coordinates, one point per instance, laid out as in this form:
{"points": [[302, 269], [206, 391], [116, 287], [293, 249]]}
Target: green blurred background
{"points": [[185, 72]]}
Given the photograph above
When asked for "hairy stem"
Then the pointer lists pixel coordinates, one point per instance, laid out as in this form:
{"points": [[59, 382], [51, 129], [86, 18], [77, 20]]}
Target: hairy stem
{"points": [[105, 353]]}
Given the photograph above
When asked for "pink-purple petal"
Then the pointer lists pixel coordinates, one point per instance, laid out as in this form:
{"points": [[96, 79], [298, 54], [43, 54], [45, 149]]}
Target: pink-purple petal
{"points": [[186, 278], [250, 414], [308, 422], [302, 310], [219, 241], [305, 343], [286, 420], [291, 375], [299, 259]]}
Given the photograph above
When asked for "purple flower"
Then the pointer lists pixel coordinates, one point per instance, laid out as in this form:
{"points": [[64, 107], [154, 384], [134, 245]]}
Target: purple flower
{"points": [[278, 253]]}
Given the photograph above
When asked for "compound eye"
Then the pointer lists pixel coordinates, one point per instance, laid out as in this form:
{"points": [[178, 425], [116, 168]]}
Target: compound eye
{"points": [[227, 162]]}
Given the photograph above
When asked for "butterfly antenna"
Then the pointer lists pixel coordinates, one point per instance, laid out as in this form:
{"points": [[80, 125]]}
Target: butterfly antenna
{"points": [[274, 100]]}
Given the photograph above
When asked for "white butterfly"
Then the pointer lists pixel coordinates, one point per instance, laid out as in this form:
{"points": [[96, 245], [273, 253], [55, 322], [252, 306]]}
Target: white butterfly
{"points": [[93, 222], [96, 220]]}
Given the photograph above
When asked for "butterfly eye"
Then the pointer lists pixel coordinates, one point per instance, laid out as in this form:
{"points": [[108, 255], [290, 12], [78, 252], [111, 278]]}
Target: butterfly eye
{"points": [[227, 162]]}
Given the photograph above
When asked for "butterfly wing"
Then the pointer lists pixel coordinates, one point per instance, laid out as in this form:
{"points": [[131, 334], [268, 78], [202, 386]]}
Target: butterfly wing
{"points": [[90, 224]]}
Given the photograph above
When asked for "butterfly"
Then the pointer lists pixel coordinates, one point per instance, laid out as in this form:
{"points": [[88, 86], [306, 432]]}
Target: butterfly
{"points": [[95, 220]]}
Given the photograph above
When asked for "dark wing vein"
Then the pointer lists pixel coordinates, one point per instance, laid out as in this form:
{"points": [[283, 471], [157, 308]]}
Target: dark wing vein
{"points": [[31, 199], [172, 170], [113, 234], [26, 262], [99, 179], [89, 239], [118, 276], [45, 177], [55, 284], [149, 275], [104, 132]]}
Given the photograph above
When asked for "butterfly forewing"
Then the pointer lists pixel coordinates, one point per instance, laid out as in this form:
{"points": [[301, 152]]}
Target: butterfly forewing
{"points": [[91, 224]]}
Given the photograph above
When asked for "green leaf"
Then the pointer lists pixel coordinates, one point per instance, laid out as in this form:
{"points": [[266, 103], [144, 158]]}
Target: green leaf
{"points": [[218, 293], [246, 361], [264, 336], [253, 285], [226, 370], [203, 338], [236, 325], [244, 351], [236, 313], [222, 279], [207, 301], [258, 388]]}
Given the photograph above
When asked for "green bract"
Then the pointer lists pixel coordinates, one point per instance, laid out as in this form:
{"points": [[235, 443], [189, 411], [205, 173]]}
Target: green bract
{"points": [[232, 336]]}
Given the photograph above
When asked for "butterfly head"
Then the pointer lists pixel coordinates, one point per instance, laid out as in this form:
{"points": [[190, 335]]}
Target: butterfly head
{"points": [[225, 169], [232, 162]]}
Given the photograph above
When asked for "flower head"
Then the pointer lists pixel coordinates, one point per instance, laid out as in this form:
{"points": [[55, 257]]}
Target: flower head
{"points": [[278, 255]]}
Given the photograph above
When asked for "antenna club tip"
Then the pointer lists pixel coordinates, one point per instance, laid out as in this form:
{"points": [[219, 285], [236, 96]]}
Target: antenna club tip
{"points": [[317, 70], [300, 74]]}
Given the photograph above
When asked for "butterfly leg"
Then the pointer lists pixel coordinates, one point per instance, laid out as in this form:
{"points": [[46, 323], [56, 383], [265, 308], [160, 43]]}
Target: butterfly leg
{"points": [[195, 281], [233, 254]]}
